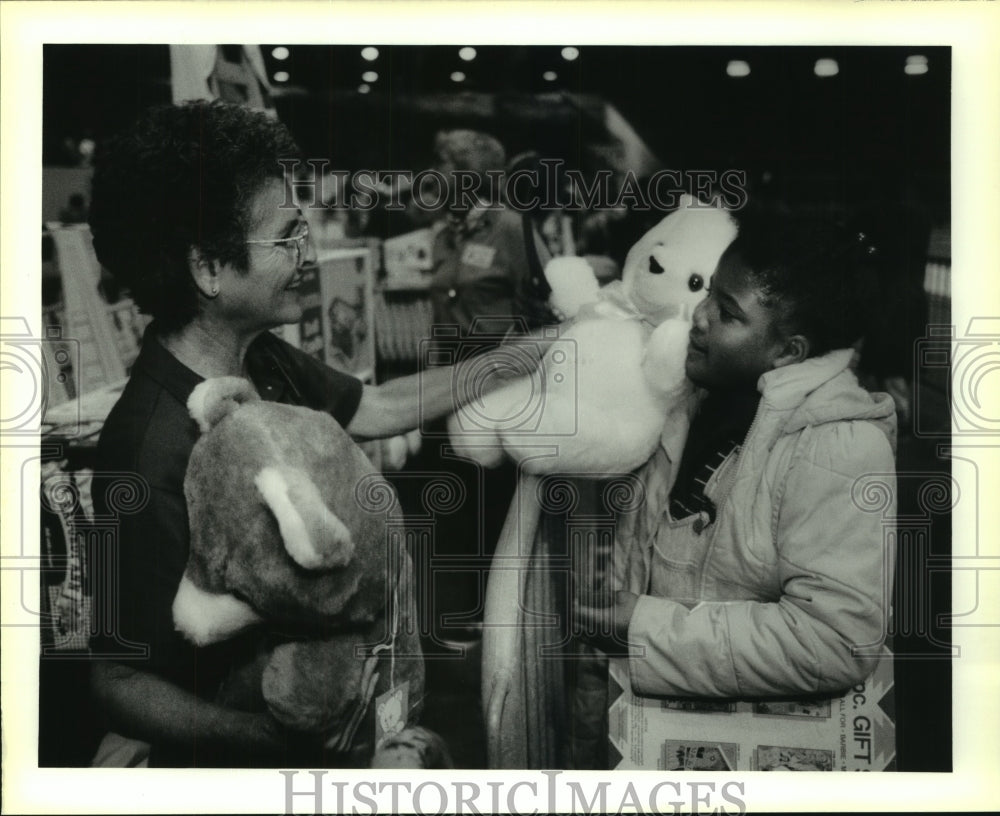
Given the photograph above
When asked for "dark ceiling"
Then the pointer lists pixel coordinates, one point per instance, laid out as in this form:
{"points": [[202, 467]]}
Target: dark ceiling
{"points": [[870, 128]]}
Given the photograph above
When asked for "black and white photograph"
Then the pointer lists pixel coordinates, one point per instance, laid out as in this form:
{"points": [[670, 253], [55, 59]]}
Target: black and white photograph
{"points": [[393, 401]]}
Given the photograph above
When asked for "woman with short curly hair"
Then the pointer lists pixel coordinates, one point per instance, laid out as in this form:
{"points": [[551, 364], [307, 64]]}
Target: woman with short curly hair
{"points": [[191, 210], [184, 177]]}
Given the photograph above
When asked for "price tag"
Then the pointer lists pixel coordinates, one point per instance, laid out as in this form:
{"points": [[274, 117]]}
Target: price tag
{"points": [[392, 711], [478, 255]]}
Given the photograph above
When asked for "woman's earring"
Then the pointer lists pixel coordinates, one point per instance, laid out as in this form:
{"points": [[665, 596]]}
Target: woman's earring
{"points": [[214, 290]]}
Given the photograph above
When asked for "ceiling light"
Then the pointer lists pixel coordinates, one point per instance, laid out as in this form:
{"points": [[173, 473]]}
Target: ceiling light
{"points": [[915, 65], [281, 76], [468, 53], [370, 54], [363, 89], [826, 68], [569, 53], [738, 68], [370, 76], [550, 76], [280, 53]]}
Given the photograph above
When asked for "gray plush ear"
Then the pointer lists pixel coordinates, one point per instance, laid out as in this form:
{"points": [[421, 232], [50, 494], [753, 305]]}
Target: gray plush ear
{"points": [[208, 617], [314, 536], [214, 399]]}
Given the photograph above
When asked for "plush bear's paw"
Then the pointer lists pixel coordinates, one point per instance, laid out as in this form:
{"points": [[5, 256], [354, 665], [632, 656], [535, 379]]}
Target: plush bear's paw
{"points": [[394, 450], [481, 446], [319, 686], [573, 284], [208, 617], [663, 360]]}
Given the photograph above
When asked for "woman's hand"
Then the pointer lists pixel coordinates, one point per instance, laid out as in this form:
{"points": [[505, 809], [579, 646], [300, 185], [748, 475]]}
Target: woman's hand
{"points": [[402, 404], [142, 705], [521, 355], [606, 627], [260, 733]]}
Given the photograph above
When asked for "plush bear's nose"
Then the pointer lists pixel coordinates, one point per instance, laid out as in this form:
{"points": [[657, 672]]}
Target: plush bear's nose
{"points": [[654, 266]]}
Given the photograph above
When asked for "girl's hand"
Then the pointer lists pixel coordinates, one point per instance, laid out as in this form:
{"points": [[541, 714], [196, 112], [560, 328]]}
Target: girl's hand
{"points": [[606, 627]]}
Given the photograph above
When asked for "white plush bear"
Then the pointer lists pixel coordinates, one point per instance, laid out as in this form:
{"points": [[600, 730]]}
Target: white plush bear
{"points": [[614, 379]]}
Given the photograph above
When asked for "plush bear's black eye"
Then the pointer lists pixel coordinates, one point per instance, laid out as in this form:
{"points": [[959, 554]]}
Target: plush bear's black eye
{"points": [[696, 283]]}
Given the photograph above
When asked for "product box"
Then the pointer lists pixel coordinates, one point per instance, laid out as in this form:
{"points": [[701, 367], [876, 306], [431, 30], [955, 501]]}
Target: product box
{"points": [[337, 311], [346, 278], [852, 732], [407, 260]]}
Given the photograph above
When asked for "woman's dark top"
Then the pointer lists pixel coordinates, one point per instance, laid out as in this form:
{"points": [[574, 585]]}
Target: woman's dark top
{"points": [[146, 442]]}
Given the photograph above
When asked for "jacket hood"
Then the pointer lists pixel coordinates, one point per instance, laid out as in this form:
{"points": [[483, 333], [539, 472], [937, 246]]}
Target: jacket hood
{"points": [[823, 389]]}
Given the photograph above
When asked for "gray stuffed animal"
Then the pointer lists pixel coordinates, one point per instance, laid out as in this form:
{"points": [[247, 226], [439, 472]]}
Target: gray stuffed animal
{"points": [[291, 529]]}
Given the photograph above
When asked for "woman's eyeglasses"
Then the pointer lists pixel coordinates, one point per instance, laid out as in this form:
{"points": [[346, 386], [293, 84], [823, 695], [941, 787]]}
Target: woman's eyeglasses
{"points": [[298, 241]]}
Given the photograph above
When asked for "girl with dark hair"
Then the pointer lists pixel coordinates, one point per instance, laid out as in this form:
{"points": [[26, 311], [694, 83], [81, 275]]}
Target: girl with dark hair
{"points": [[754, 568]]}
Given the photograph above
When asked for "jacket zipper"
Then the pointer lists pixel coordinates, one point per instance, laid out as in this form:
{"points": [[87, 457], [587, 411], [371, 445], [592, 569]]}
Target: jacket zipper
{"points": [[724, 489]]}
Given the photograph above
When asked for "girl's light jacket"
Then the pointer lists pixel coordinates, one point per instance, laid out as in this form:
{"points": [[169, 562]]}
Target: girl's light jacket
{"points": [[787, 590]]}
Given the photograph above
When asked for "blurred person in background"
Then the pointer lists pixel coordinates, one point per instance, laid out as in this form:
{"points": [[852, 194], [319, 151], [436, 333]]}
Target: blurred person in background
{"points": [[482, 254]]}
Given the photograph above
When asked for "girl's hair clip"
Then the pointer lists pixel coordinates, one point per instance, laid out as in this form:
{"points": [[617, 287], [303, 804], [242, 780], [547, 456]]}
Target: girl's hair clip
{"points": [[870, 249]]}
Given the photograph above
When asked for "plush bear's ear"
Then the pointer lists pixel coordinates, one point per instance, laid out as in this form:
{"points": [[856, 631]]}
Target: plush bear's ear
{"points": [[686, 201], [313, 535], [218, 397]]}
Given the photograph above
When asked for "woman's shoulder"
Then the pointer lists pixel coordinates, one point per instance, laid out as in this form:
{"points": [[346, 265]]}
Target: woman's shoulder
{"points": [[286, 374], [270, 356], [148, 433]]}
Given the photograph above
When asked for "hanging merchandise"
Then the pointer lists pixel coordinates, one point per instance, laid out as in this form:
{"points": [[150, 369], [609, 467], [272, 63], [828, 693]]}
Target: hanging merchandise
{"points": [[232, 73]]}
